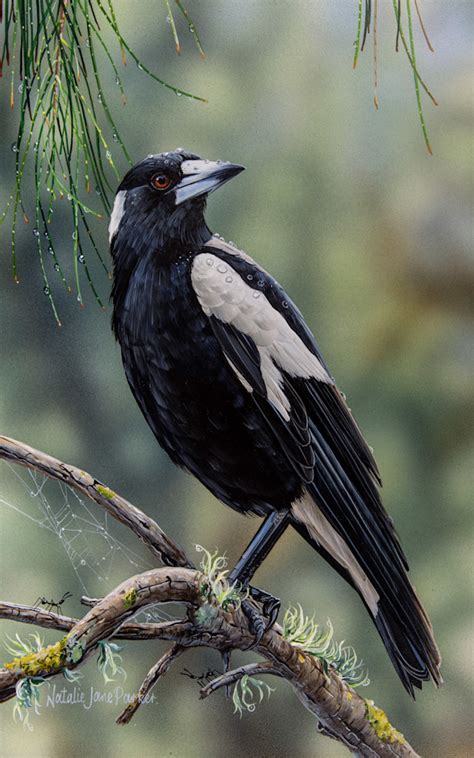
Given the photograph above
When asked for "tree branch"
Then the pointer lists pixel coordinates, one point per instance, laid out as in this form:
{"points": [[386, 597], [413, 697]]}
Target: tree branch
{"points": [[146, 529], [230, 677], [338, 707], [160, 668]]}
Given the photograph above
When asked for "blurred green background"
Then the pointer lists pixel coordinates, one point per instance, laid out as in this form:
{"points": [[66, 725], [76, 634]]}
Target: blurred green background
{"points": [[373, 239]]}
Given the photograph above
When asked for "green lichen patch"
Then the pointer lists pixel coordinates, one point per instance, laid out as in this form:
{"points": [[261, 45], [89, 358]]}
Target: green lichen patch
{"points": [[130, 598], [46, 660], [381, 725], [105, 492]]}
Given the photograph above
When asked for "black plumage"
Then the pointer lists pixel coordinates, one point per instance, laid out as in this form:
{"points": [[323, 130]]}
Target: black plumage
{"points": [[233, 385]]}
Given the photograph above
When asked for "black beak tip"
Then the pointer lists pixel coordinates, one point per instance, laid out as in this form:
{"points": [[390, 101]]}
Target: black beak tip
{"points": [[235, 168]]}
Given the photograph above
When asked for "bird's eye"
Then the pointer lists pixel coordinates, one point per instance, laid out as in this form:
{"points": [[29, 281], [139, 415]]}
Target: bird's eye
{"points": [[161, 181]]}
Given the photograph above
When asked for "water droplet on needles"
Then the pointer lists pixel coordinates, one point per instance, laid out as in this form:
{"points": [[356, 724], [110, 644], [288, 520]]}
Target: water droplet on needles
{"points": [[56, 267], [74, 235], [36, 233], [115, 137], [46, 290], [178, 93], [14, 147], [83, 563], [81, 258], [50, 250], [140, 66], [20, 87]]}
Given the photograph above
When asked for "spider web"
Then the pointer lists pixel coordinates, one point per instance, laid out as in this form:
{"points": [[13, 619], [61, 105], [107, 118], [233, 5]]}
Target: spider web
{"points": [[99, 559]]}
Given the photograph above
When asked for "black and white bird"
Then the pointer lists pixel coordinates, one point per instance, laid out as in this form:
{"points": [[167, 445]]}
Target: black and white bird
{"points": [[231, 381]]}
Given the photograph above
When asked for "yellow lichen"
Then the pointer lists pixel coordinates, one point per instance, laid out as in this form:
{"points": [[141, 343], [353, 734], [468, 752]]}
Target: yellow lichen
{"points": [[45, 660], [381, 725], [130, 598], [301, 658], [105, 491], [349, 695]]}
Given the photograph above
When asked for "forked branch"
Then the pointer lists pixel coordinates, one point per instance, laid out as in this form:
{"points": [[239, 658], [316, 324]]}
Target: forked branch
{"points": [[340, 711]]}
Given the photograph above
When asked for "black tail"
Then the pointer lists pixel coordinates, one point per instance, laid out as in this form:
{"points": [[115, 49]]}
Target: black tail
{"points": [[401, 622]]}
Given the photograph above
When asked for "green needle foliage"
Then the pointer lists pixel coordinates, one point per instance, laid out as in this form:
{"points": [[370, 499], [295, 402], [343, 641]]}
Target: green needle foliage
{"points": [[67, 136], [367, 17]]}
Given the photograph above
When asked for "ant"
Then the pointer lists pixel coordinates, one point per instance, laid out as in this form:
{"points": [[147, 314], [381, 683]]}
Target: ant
{"points": [[49, 605], [202, 679]]}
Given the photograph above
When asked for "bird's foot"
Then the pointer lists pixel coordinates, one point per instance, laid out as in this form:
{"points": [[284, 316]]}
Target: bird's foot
{"points": [[270, 604], [260, 621]]}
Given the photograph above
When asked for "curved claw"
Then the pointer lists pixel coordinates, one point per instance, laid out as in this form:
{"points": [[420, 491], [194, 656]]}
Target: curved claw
{"points": [[256, 621], [271, 609]]}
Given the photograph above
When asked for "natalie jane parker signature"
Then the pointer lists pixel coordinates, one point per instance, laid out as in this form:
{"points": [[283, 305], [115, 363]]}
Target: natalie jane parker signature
{"points": [[87, 698]]}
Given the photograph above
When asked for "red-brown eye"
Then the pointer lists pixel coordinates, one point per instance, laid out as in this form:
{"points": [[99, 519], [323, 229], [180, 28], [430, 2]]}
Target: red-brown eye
{"points": [[161, 181]]}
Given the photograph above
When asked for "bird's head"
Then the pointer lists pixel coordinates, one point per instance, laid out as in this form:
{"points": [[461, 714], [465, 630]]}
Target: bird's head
{"points": [[160, 202]]}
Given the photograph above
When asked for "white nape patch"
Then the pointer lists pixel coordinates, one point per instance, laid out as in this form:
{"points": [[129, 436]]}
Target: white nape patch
{"points": [[307, 512], [117, 213], [223, 293]]}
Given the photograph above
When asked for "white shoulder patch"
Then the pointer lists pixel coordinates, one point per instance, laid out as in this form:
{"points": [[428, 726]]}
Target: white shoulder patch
{"points": [[306, 511], [117, 213], [223, 293]]}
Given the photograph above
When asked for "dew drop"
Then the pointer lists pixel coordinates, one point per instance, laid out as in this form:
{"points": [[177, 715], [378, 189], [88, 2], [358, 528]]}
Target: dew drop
{"points": [[117, 81], [74, 235], [83, 563], [69, 197], [108, 155], [250, 277], [210, 262], [50, 250], [115, 137], [14, 147], [20, 87], [178, 93], [256, 295], [56, 267], [36, 232], [99, 97], [140, 66], [222, 269], [229, 279], [36, 147], [284, 303], [81, 258], [46, 290]]}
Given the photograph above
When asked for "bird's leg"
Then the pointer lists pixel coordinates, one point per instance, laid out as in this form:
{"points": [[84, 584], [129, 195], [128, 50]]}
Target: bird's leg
{"points": [[256, 552]]}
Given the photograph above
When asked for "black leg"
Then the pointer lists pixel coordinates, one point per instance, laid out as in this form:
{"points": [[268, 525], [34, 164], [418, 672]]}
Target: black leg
{"points": [[268, 534]]}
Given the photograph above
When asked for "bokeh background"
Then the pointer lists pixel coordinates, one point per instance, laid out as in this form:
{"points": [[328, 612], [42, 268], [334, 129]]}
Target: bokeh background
{"points": [[373, 238]]}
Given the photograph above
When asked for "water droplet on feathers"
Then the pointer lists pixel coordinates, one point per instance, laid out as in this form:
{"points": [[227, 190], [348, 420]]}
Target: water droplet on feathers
{"points": [[222, 269]]}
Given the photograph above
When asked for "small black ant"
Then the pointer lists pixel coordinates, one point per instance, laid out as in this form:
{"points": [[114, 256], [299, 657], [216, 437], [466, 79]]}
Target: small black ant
{"points": [[49, 605], [202, 679]]}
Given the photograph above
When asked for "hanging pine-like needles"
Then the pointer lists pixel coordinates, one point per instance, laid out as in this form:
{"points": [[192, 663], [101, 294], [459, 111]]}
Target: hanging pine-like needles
{"points": [[364, 19], [67, 136]]}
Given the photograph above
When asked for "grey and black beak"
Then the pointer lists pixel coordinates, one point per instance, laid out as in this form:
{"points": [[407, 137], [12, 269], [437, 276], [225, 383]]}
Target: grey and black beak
{"points": [[202, 177]]}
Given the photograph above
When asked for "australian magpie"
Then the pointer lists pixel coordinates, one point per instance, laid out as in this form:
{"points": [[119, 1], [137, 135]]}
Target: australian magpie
{"points": [[231, 381]]}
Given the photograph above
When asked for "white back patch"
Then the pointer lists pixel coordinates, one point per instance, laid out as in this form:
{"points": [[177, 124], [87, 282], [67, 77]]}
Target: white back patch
{"points": [[223, 293], [307, 512], [117, 213]]}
